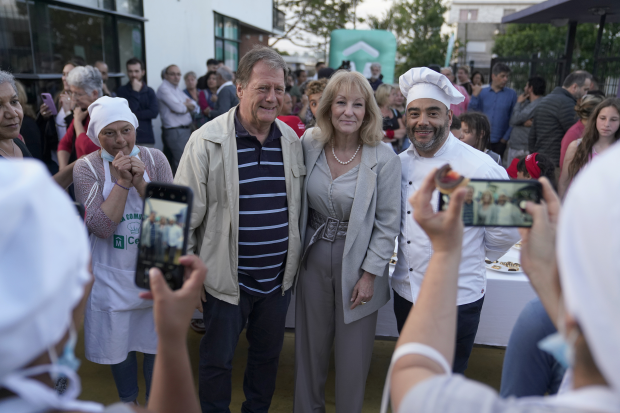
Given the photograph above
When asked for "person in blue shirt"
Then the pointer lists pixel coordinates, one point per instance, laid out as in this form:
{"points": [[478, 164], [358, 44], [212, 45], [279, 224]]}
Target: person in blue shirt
{"points": [[497, 102], [142, 101]]}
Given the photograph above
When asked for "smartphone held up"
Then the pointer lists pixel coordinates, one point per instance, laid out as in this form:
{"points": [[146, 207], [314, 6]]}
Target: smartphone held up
{"points": [[489, 202], [163, 233]]}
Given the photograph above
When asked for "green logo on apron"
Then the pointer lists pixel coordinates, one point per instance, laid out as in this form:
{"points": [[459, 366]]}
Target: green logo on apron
{"points": [[119, 242]]}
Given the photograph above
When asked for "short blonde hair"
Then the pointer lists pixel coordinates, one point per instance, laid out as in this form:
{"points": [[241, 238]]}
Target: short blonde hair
{"points": [[382, 95], [371, 131]]}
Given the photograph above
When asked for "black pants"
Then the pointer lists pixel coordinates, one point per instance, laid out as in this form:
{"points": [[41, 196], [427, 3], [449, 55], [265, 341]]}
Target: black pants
{"points": [[224, 322], [498, 147], [466, 327]]}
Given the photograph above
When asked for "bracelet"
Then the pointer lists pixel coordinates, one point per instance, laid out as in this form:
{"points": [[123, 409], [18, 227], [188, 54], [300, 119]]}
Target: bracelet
{"points": [[116, 183]]}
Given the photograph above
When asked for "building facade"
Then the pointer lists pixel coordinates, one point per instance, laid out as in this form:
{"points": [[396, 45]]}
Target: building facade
{"points": [[477, 22], [38, 37]]}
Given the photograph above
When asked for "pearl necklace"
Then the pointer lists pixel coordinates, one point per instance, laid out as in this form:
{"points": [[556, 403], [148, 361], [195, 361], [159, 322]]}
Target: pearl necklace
{"points": [[350, 160]]}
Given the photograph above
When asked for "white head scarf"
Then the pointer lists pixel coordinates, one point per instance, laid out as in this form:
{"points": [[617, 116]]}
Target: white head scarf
{"points": [[106, 110], [588, 247], [422, 82], [44, 256]]}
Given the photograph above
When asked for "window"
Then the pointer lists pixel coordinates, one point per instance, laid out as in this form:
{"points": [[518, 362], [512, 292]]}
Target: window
{"points": [[509, 11], [468, 15], [37, 38], [227, 40]]}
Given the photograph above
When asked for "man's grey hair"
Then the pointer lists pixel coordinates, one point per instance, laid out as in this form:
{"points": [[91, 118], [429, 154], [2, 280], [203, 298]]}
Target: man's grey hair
{"points": [[259, 54], [579, 77], [7, 77], [375, 64], [226, 73], [87, 78]]}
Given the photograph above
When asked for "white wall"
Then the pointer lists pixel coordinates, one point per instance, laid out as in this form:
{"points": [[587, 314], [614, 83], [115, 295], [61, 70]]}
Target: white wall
{"points": [[181, 32], [489, 11]]}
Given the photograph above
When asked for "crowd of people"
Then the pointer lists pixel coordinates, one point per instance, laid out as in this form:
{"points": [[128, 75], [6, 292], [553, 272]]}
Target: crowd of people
{"points": [[302, 186]]}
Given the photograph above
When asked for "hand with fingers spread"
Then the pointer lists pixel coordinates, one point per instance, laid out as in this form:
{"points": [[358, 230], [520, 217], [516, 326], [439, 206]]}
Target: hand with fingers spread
{"points": [[173, 309], [363, 290], [444, 228], [122, 164]]}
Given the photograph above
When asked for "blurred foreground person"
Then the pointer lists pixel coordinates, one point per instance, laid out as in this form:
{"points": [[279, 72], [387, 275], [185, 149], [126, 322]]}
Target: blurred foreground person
{"points": [[429, 96], [348, 222], [44, 285], [111, 184], [582, 302]]}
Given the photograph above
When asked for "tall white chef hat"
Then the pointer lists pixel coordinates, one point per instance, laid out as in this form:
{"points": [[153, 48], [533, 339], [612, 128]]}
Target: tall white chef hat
{"points": [[422, 82], [44, 256], [588, 246], [106, 110]]}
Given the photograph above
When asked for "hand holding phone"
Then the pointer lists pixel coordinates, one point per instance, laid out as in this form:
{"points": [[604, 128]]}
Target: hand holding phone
{"points": [[163, 236], [49, 102]]}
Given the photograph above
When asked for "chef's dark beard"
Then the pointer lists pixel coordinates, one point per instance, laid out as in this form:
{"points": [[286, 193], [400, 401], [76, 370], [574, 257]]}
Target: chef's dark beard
{"points": [[439, 137]]}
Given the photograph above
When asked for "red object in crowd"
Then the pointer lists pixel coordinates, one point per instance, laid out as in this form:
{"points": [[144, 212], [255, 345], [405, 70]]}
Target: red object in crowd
{"points": [[83, 144], [389, 134], [532, 166], [575, 132], [295, 123], [512, 169]]}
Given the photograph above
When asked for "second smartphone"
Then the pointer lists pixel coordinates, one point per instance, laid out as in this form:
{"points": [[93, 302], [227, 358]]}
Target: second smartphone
{"points": [[497, 203], [163, 233]]}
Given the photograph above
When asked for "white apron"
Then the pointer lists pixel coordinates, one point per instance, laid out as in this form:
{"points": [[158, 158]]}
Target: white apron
{"points": [[117, 320]]}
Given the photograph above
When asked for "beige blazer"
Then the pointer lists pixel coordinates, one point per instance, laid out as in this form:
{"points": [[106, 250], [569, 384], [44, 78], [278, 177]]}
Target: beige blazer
{"points": [[374, 223], [209, 166]]}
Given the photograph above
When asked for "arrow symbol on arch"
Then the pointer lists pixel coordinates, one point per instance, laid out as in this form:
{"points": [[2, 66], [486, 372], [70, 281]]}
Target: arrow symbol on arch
{"points": [[361, 45]]}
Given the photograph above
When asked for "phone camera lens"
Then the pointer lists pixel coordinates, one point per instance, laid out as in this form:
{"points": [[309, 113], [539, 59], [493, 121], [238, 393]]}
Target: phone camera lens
{"points": [[161, 194], [184, 198], [172, 196]]}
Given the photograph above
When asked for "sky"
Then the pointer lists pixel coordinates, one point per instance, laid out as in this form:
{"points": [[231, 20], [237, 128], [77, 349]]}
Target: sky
{"points": [[365, 9]]}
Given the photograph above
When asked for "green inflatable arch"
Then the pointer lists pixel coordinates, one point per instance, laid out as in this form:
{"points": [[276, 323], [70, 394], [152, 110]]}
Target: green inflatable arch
{"points": [[362, 48]]}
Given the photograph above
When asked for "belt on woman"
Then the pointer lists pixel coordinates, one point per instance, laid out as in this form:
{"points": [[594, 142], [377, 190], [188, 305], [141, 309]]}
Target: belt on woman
{"points": [[331, 228]]}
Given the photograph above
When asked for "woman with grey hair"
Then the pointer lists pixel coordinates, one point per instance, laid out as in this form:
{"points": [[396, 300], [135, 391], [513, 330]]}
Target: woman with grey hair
{"points": [[85, 87], [226, 92], [11, 118], [197, 95]]}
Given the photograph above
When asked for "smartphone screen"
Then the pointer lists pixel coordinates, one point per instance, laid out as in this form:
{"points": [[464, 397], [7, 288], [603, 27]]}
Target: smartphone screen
{"points": [[497, 203], [163, 234]]}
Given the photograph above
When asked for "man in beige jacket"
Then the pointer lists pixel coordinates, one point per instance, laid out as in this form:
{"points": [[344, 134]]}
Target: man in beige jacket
{"points": [[246, 170]]}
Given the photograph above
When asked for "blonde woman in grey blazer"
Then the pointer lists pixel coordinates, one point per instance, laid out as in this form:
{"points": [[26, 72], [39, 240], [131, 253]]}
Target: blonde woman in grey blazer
{"points": [[350, 217]]}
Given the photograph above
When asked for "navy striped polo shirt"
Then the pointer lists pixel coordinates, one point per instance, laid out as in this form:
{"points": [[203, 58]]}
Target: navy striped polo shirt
{"points": [[263, 212]]}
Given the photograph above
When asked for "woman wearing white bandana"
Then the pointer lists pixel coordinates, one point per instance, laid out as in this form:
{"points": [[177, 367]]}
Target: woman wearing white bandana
{"points": [[110, 183], [44, 284], [584, 302]]}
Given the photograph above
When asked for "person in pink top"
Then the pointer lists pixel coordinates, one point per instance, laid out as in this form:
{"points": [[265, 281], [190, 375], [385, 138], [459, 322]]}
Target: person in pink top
{"points": [[602, 131], [461, 107], [584, 109]]}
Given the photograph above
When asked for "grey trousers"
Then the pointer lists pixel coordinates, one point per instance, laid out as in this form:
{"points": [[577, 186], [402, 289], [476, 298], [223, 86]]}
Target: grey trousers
{"points": [[175, 140], [319, 324]]}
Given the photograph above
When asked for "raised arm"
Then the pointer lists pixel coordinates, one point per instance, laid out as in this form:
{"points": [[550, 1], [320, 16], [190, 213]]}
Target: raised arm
{"points": [[173, 387], [432, 322]]}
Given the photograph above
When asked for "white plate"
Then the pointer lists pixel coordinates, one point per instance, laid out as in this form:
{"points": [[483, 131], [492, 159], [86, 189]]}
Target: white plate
{"points": [[502, 269]]}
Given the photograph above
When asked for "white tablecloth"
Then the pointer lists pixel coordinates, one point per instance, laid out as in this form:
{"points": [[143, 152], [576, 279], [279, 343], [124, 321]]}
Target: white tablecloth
{"points": [[506, 295]]}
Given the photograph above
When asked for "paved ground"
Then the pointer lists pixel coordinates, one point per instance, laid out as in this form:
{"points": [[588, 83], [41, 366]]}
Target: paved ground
{"points": [[485, 365]]}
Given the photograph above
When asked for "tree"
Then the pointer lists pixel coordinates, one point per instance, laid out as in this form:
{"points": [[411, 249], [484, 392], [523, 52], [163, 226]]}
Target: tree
{"points": [[521, 40], [311, 22], [417, 27]]}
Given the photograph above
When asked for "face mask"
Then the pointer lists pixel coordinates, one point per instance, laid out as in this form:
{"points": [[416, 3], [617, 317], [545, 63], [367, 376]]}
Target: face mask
{"points": [[561, 348], [106, 156], [67, 358]]}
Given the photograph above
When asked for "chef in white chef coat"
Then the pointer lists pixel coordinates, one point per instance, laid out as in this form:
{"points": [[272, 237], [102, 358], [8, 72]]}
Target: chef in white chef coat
{"points": [[428, 118]]}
